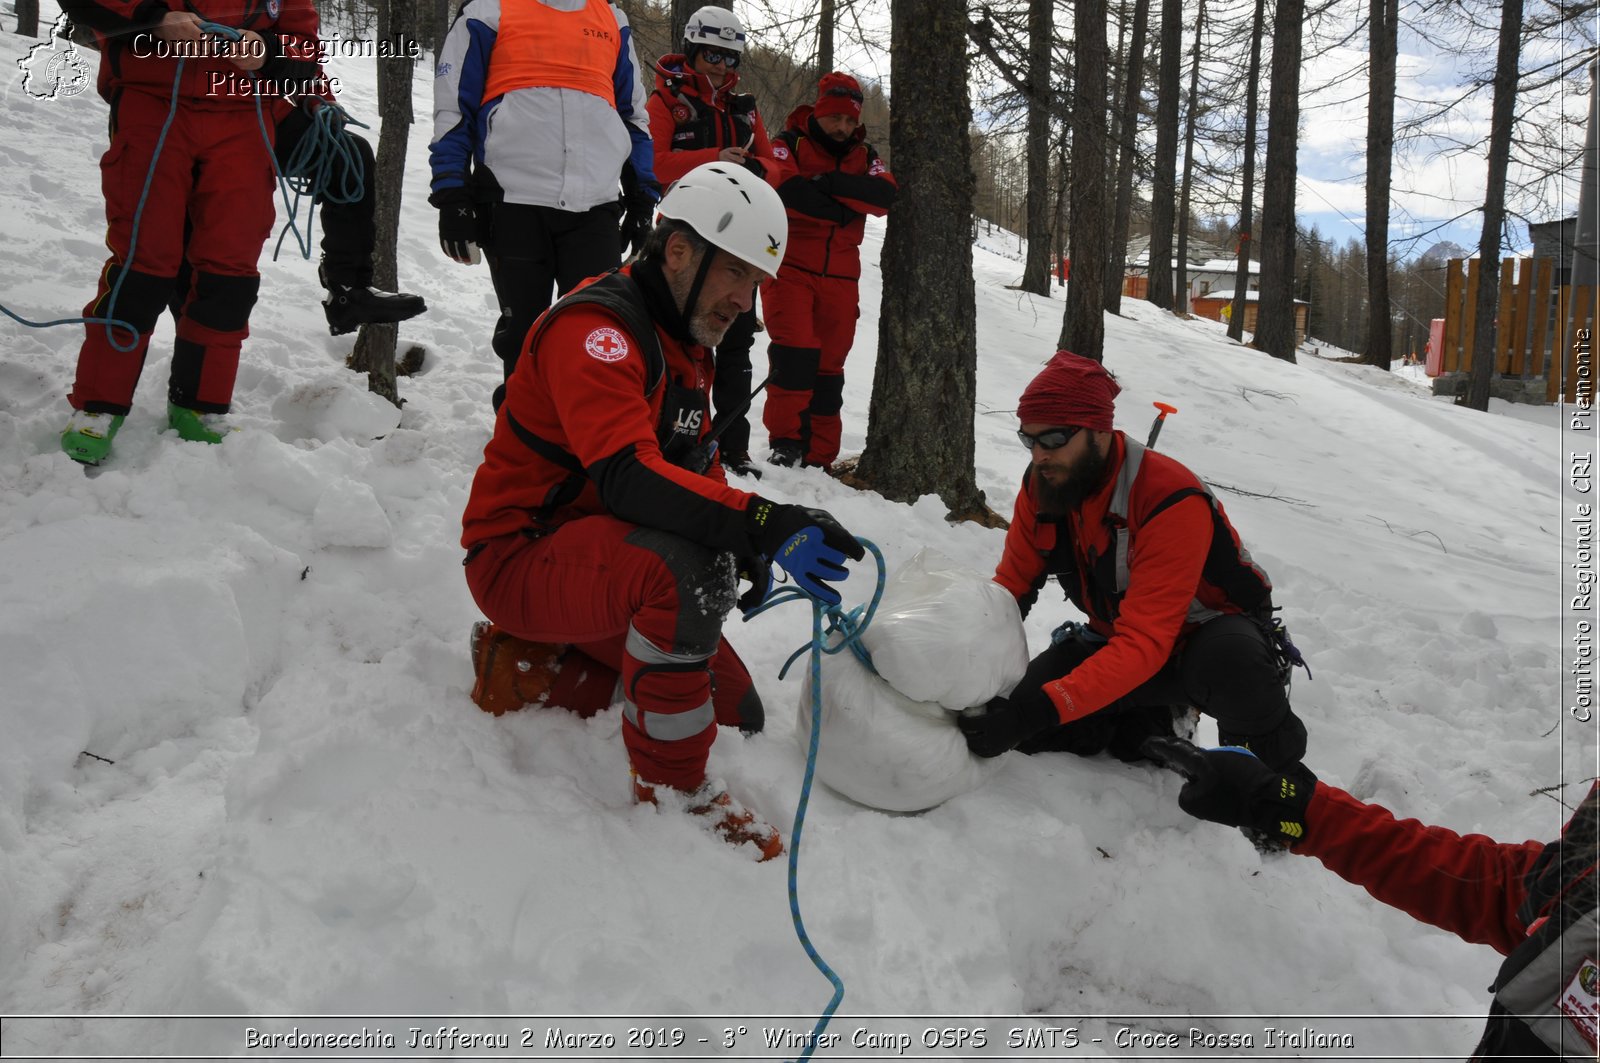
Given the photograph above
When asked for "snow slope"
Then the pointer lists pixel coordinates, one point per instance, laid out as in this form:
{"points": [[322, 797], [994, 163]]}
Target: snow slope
{"points": [[241, 775]]}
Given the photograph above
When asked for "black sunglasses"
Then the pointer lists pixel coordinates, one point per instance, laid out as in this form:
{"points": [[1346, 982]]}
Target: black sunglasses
{"points": [[849, 94], [1049, 439], [717, 57]]}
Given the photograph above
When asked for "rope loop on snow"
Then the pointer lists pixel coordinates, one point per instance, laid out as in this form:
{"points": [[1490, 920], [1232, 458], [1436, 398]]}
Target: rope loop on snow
{"points": [[850, 627]]}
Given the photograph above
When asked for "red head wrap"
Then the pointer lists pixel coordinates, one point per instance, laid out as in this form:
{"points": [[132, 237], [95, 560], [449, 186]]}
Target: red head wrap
{"points": [[837, 94], [1071, 390]]}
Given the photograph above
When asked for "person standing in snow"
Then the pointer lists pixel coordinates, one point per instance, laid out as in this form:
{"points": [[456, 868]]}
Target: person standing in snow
{"points": [[1533, 903], [537, 109], [830, 179], [696, 117], [215, 168], [600, 519], [1178, 613]]}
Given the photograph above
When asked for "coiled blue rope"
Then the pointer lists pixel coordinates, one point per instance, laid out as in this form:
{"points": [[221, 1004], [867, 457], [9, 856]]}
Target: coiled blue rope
{"points": [[850, 626], [325, 166]]}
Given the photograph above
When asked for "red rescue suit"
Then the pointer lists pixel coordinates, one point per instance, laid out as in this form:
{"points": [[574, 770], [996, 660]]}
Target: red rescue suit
{"points": [[1532, 903], [215, 168], [1147, 558], [581, 527], [691, 121], [812, 306]]}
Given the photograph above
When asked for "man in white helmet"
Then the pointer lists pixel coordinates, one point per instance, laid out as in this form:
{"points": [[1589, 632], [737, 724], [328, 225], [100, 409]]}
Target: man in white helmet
{"points": [[601, 521]]}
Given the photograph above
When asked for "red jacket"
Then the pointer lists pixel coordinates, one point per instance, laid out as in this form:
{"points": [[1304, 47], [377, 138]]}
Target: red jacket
{"points": [[829, 190], [131, 56], [1185, 564], [691, 122], [583, 389]]}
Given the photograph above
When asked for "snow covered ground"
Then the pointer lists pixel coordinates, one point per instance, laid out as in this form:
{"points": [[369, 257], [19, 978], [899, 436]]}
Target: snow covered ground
{"points": [[240, 774]]}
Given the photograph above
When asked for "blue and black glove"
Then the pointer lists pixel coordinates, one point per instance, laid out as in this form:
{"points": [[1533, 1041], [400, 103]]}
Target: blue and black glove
{"points": [[1233, 787], [806, 543]]}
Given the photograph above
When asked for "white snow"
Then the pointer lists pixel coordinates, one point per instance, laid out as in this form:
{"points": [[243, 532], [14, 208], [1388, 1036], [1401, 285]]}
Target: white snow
{"points": [[240, 773]]}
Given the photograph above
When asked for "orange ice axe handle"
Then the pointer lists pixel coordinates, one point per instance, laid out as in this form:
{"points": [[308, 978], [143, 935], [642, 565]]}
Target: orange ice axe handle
{"points": [[1155, 429]]}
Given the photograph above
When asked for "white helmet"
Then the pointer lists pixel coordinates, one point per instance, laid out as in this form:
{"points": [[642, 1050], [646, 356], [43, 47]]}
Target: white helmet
{"points": [[733, 209], [716, 26]]}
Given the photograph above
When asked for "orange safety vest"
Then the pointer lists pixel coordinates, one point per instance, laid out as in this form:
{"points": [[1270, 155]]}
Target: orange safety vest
{"points": [[539, 47]]}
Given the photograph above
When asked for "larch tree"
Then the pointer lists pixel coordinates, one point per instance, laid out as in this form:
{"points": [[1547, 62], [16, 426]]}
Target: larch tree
{"points": [[374, 351], [1083, 326], [1275, 316], [920, 419], [1163, 181], [1180, 301], [1041, 29], [1133, 67], [1382, 52], [1241, 276]]}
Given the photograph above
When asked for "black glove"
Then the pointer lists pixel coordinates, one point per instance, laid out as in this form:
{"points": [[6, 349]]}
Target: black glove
{"points": [[639, 199], [755, 166], [458, 225], [1006, 722], [806, 543], [1232, 787]]}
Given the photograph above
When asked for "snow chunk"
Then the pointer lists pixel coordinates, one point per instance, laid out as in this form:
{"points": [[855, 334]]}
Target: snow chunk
{"points": [[348, 514]]}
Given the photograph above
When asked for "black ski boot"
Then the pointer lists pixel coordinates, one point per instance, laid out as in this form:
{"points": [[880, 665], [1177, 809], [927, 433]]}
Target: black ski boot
{"points": [[349, 306]]}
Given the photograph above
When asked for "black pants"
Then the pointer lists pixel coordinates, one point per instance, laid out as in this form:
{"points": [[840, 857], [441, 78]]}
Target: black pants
{"points": [[532, 248], [1227, 669], [730, 388]]}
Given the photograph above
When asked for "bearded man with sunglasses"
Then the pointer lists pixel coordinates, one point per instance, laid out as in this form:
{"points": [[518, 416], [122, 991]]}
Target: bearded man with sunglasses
{"points": [[1178, 613]]}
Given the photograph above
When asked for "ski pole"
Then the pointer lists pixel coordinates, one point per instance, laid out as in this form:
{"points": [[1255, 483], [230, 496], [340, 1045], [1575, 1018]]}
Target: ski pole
{"points": [[1155, 429]]}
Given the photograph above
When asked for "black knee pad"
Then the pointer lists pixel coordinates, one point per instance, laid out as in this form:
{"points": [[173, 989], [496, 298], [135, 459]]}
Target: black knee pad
{"points": [[827, 397], [140, 300], [223, 303], [794, 368], [706, 583]]}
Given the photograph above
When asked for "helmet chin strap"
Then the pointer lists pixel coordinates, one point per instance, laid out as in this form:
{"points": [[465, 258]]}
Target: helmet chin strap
{"points": [[694, 289]]}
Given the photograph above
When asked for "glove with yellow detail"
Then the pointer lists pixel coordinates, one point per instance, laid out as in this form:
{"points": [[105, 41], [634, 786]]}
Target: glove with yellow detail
{"points": [[1232, 787], [806, 543]]}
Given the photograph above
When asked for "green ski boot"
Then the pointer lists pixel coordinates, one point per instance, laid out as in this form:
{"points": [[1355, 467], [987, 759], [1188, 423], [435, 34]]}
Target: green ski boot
{"points": [[196, 427], [87, 437]]}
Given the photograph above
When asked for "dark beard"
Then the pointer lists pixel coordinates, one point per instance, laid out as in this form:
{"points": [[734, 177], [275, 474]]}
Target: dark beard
{"points": [[1085, 478]]}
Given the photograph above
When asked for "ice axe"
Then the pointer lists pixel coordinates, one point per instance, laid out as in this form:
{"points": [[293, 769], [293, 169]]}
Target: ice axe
{"points": [[1155, 429]]}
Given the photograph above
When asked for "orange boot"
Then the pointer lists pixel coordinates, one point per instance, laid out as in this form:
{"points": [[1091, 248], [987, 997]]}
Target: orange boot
{"points": [[718, 812]]}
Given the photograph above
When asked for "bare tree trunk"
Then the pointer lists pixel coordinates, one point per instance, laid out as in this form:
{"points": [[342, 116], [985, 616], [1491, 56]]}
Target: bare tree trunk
{"points": [[1181, 300], [28, 17], [1036, 268], [825, 20], [1241, 276], [1275, 317], [1127, 130], [374, 349], [1083, 327], [1162, 190], [920, 425], [1058, 247], [1501, 117], [442, 17], [1383, 48]]}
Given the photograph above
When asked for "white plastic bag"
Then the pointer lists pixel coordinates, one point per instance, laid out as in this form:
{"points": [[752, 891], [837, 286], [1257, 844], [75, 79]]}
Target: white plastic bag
{"points": [[880, 747], [947, 634]]}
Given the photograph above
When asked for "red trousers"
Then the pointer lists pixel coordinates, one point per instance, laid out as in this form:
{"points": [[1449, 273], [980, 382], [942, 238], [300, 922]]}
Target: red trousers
{"points": [[643, 603], [811, 323], [216, 170]]}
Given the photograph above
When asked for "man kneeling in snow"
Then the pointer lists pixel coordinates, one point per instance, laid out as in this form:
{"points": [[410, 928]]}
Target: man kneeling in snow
{"points": [[1178, 613], [600, 517]]}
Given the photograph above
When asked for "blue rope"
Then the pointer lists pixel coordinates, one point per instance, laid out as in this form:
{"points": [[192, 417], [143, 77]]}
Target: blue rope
{"points": [[851, 626], [325, 151]]}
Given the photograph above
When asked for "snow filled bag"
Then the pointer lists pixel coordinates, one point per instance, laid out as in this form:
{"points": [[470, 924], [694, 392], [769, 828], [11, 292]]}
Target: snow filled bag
{"points": [[947, 634], [881, 748]]}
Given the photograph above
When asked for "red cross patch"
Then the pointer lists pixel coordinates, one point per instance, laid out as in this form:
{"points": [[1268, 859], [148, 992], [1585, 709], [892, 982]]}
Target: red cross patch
{"points": [[779, 151], [606, 345], [680, 114]]}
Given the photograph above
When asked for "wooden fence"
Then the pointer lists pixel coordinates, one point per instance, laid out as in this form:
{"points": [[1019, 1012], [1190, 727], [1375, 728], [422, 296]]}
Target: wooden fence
{"points": [[1537, 323]]}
